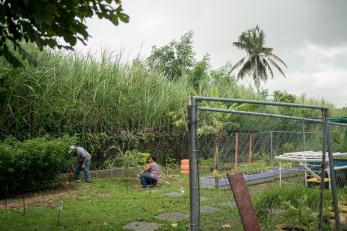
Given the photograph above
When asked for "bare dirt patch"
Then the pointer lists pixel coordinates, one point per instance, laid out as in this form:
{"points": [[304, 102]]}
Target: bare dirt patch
{"points": [[104, 195], [47, 198]]}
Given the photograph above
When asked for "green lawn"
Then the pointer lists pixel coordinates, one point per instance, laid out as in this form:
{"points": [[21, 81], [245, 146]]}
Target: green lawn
{"points": [[109, 204]]}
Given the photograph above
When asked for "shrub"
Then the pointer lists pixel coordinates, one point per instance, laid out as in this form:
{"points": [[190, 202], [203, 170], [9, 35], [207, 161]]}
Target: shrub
{"points": [[32, 164], [293, 201]]}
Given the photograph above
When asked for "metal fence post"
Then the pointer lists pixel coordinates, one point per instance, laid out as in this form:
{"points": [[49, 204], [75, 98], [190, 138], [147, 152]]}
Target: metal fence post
{"points": [[193, 168], [322, 174], [327, 147], [333, 180]]}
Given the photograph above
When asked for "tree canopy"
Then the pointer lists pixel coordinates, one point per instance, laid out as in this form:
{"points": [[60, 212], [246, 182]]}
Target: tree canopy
{"points": [[259, 58], [49, 23], [174, 58]]}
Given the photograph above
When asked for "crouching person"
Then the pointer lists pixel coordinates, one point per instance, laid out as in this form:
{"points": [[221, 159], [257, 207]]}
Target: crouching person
{"points": [[149, 176], [83, 162]]}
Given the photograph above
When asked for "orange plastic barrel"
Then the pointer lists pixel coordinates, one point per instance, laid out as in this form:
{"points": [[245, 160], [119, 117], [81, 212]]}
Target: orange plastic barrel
{"points": [[185, 166]]}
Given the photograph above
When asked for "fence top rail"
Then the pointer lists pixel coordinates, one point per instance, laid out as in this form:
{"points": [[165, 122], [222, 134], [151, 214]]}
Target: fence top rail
{"points": [[202, 98], [338, 124], [260, 114]]}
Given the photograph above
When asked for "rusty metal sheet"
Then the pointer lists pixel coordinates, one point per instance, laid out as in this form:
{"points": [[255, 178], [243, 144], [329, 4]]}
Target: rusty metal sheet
{"points": [[243, 202]]}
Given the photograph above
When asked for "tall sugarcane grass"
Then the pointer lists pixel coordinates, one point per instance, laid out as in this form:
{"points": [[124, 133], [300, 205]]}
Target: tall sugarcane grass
{"points": [[74, 93]]}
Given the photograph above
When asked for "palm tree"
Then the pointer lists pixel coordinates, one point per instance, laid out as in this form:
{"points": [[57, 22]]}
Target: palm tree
{"points": [[259, 59]]}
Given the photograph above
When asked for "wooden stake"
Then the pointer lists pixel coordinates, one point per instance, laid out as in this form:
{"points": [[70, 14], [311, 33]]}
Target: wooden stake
{"points": [[23, 204], [216, 160], [6, 194]]}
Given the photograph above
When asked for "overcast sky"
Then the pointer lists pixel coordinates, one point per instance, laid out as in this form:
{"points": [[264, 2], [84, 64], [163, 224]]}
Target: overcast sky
{"points": [[309, 35]]}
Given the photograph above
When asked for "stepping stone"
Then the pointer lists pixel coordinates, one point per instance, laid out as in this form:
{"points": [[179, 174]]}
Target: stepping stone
{"points": [[208, 209], [231, 204], [142, 226], [204, 198], [172, 216], [173, 194], [104, 195], [227, 225], [277, 211]]}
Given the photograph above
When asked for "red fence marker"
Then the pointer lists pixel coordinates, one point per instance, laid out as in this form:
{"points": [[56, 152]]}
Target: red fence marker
{"points": [[236, 150]]}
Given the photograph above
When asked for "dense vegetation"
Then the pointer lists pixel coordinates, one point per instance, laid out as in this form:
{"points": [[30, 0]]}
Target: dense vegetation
{"points": [[113, 106]]}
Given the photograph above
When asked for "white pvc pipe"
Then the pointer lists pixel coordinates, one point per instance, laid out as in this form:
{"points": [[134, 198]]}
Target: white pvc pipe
{"points": [[328, 171], [305, 175]]}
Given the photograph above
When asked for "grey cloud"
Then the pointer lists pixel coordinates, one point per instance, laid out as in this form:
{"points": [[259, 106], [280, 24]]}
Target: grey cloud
{"points": [[288, 24]]}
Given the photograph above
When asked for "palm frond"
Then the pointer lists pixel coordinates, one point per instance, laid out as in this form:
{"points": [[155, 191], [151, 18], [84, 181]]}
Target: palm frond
{"points": [[266, 50], [240, 45], [267, 65], [246, 68], [278, 59], [238, 64], [273, 63], [261, 69]]}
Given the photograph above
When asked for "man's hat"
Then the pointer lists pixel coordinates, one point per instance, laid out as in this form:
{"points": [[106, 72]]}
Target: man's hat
{"points": [[72, 148]]}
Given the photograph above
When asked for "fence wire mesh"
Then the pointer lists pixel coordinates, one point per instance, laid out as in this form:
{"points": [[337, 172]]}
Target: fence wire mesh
{"points": [[250, 144]]}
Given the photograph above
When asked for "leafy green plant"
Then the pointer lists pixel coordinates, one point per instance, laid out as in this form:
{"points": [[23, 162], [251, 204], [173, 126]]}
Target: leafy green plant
{"points": [[266, 204], [209, 162], [301, 215], [276, 204], [132, 162]]}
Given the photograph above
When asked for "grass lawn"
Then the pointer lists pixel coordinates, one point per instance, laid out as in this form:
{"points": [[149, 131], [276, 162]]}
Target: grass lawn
{"points": [[109, 204]]}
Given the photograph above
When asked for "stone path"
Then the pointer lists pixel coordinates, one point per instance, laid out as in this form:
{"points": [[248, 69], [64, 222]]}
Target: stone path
{"points": [[177, 216], [208, 209], [142, 226], [231, 204], [172, 216]]}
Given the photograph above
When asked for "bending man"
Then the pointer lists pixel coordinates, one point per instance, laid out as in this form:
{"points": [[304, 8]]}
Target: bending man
{"points": [[83, 162]]}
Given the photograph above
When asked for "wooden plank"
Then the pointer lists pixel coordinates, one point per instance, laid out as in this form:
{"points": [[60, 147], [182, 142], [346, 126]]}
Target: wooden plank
{"points": [[243, 202]]}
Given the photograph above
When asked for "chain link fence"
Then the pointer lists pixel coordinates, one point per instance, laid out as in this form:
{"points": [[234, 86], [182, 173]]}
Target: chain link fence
{"points": [[229, 142]]}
